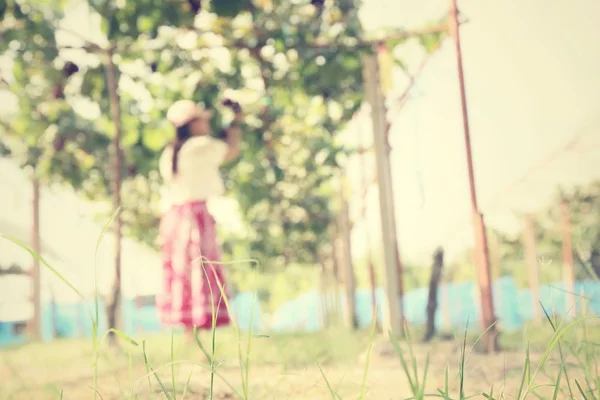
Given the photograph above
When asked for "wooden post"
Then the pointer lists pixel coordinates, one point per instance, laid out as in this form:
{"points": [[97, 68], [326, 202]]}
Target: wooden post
{"points": [[482, 260], [392, 315], [530, 246], [346, 257], [567, 256], [432, 301], [35, 327], [496, 266], [488, 317], [366, 232], [114, 308], [336, 265], [323, 297]]}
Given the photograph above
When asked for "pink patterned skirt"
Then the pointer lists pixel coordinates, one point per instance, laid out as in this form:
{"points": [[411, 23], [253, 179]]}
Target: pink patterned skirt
{"points": [[190, 290]]}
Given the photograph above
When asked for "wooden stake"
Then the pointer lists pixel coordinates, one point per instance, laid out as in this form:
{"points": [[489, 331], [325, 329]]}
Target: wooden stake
{"points": [[432, 301], [567, 255], [482, 260], [117, 161], [530, 246], [35, 327], [346, 257], [392, 315]]}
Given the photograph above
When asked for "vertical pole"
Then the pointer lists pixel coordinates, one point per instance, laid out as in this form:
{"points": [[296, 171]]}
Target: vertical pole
{"points": [[481, 246], [495, 257], [336, 275], [323, 308], [385, 64], [36, 321], [114, 307], [496, 268], [393, 315], [367, 235], [530, 246], [567, 256], [346, 253]]}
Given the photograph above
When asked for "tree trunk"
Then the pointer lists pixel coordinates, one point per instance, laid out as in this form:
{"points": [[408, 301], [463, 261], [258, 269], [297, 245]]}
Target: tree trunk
{"points": [[322, 293], [338, 279], [115, 300], [35, 323], [595, 262], [436, 275]]}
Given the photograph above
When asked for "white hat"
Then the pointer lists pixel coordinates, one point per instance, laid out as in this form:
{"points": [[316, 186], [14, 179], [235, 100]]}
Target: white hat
{"points": [[184, 111]]}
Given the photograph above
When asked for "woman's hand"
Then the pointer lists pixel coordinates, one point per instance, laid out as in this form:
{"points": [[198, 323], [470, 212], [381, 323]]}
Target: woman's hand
{"points": [[233, 132], [235, 107]]}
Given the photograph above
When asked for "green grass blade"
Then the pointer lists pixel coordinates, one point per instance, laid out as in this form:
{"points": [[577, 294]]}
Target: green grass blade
{"points": [[554, 343], [415, 372], [331, 391], [121, 335], [580, 390], [363, 388], [446, 385], [425, 371], [248, 346], [187, 384], [150, 373], [149, 367], [526, 376], [41, 259], [403, 362], [201, 346], [461, 393]]}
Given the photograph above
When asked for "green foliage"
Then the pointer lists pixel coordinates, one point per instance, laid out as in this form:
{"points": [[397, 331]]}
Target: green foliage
{"points": [[46, 133], [283, 178], [230, 8], [132, 18], [295, 67]]}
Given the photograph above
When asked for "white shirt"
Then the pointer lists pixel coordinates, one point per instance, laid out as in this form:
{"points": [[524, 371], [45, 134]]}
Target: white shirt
{"points": [[198, 177]]}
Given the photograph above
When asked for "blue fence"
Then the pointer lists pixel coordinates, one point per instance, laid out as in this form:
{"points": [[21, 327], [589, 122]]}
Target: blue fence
{"points": [[458, 305]]}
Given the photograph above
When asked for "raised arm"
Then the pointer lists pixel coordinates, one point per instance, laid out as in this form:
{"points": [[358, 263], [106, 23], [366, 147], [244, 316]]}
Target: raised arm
{"points": [[233, 133]]}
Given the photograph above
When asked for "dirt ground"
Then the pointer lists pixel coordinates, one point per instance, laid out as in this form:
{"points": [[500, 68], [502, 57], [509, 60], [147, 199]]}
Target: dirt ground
{"points": [[41, 374]]}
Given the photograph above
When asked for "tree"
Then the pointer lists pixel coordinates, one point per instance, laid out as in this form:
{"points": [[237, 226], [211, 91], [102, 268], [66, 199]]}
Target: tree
{"points": [[283, 179], [295, 67], [31, 134]]}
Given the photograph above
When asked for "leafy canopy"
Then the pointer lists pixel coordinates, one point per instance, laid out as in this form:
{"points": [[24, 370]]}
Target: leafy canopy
{"points": [[294, 66]]}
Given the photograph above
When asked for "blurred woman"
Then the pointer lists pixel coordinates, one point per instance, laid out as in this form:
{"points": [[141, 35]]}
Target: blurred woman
{"points": [[192, 282]]}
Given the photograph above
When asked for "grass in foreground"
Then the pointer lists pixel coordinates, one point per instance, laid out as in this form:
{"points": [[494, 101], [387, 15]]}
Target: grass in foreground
{"points": [[223, 366], [333, 364]]}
